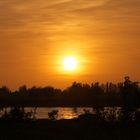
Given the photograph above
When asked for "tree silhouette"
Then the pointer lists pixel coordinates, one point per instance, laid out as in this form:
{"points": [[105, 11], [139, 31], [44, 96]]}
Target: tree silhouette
{"points": [[126, 94]]}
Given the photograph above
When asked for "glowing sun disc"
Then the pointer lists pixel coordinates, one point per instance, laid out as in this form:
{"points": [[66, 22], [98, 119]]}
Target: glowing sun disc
{"points": [[70, 63]]}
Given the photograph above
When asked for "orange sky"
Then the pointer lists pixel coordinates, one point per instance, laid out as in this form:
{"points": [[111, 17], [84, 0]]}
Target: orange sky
{"points": [[35, 35]]}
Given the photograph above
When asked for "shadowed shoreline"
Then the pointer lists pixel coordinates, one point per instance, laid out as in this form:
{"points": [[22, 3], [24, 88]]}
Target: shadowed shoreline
{"points": [[69, 129], [19, 124]]}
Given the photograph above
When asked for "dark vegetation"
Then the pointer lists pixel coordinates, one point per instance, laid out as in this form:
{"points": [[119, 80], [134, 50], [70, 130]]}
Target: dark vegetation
{"points": [[78, 94], [16, 114], [86, 127], [111, 125]]}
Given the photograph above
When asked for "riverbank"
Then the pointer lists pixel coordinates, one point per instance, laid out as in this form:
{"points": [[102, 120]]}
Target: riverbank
{"points": [[76, 129]]}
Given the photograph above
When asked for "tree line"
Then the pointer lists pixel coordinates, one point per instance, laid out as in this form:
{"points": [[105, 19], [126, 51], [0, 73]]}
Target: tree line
{"points": [[126, 94]]}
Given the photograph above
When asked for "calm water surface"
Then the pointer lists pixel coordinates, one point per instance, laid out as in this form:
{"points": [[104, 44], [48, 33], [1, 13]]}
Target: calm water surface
{"points": [[66, 112], [63, 112]]}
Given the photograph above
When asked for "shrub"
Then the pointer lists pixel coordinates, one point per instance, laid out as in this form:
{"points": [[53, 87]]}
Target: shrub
{"points": [[18, 114], [53, 115]]}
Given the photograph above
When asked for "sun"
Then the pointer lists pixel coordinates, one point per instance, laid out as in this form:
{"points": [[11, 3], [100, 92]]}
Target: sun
{"points": [[70, 63]]}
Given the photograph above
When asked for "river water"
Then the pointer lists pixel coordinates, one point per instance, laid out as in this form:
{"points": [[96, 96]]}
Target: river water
{"points": [[66, 112], [63, 112]]}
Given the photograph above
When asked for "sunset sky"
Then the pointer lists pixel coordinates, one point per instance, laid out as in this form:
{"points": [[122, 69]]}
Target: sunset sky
{"points": [[36, 35]]}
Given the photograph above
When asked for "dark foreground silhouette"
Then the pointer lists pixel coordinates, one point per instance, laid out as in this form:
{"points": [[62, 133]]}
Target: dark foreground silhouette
{"points": [[78, 129], [18, 124]]}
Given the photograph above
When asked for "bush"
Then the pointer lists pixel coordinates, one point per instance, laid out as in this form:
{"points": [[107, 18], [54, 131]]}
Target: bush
{"points": [[18, 114], [53, 115]]}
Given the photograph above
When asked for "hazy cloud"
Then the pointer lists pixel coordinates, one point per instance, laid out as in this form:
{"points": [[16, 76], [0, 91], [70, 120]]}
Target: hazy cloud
{"points": [[108, 32]]}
